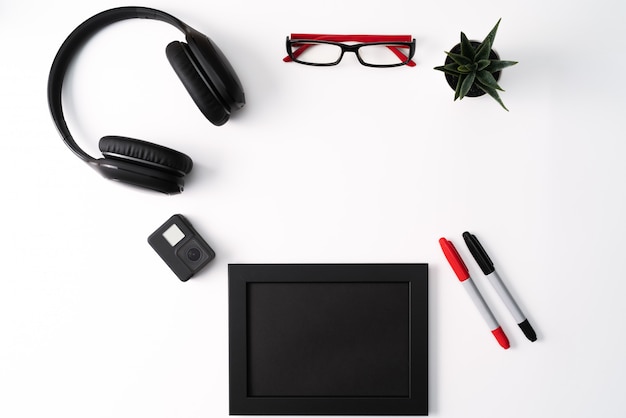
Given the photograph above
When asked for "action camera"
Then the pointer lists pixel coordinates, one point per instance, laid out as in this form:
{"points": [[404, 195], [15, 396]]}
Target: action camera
{"points": [[181, 247]]}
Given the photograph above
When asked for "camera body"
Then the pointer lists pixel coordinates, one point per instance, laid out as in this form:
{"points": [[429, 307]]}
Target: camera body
{"points": [[181, 247]]}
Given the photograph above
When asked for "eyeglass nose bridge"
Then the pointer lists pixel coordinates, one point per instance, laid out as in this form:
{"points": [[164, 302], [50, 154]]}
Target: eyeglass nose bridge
{"points": [[351, 48]]}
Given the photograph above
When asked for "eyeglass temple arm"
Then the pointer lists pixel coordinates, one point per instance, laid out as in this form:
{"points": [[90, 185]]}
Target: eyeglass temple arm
{"points": [[296, 53], [353, 38]]}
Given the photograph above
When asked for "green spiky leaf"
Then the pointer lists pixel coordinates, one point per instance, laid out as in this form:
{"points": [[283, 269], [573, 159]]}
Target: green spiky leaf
{"points": [[485, 47], [459, 83], [452, 69], [467, 49], [482, 53], [467, 84], [491, 36], [493, 93], [498, 65], [482, 64], [487, 79], [459, 59]]}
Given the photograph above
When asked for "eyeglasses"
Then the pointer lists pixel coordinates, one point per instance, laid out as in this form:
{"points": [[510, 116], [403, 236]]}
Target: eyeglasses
{"points": [[372, 50]]}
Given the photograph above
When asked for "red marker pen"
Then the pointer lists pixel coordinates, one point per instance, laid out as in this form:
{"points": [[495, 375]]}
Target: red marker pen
{"points": [[460, 269]]}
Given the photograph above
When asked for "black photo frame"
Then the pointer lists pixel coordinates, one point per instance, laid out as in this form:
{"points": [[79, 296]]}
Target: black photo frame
{"points": [[328, 339]]}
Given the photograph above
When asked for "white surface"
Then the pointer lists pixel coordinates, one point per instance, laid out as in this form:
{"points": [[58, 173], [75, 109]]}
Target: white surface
{"points": [[344, 164]]}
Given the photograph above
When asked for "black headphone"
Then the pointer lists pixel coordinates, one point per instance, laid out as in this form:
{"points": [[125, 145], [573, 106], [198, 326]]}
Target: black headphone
{"points": [[206, 74]]}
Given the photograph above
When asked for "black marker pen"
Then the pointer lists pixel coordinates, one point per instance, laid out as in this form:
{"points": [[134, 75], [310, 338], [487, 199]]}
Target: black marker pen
{"points": [[486, 265]]}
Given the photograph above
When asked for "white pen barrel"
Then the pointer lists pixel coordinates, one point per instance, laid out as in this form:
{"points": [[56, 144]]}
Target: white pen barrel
{"points": [[506, 297], [480, 303]]}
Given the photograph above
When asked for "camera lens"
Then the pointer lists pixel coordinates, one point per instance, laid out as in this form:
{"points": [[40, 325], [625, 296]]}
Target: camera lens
{"points": [[193, 254]]}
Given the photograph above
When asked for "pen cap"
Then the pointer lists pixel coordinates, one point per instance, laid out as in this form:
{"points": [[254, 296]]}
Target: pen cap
{"points": [[454, 259], [479, 253]]}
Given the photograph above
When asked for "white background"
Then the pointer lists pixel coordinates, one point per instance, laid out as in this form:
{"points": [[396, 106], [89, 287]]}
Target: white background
{"points": [[343, 164]]}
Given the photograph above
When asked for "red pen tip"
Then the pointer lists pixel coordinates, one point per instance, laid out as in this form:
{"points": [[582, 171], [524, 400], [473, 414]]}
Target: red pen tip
{"points": [[501, 337]]}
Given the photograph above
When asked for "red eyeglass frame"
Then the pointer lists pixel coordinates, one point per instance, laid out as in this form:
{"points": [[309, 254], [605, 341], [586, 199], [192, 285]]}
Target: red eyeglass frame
{"points": [[353, 38]]}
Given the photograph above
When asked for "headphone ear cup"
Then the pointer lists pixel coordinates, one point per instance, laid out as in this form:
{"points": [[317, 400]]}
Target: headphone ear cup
{"points": [[145, 153], [196, 83]]}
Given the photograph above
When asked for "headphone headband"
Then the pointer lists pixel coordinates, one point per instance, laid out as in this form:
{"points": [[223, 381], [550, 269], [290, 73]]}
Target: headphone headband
{"points": [[75, 41]]}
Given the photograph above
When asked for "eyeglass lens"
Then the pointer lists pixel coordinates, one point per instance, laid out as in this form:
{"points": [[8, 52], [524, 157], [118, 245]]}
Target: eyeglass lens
{"points": [[383, 54], [316, 53]]}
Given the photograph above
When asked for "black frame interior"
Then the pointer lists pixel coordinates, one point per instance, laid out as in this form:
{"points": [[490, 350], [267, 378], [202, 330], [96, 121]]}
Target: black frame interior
{"points": [[328, 339]]}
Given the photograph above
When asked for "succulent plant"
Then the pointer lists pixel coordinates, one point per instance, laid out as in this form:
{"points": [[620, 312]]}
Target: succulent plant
{"points": [[474, 67]]}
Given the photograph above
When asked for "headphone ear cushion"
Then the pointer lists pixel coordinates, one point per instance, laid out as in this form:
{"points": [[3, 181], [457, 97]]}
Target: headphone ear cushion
{"points": [[209, 103], [145, 152]]}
